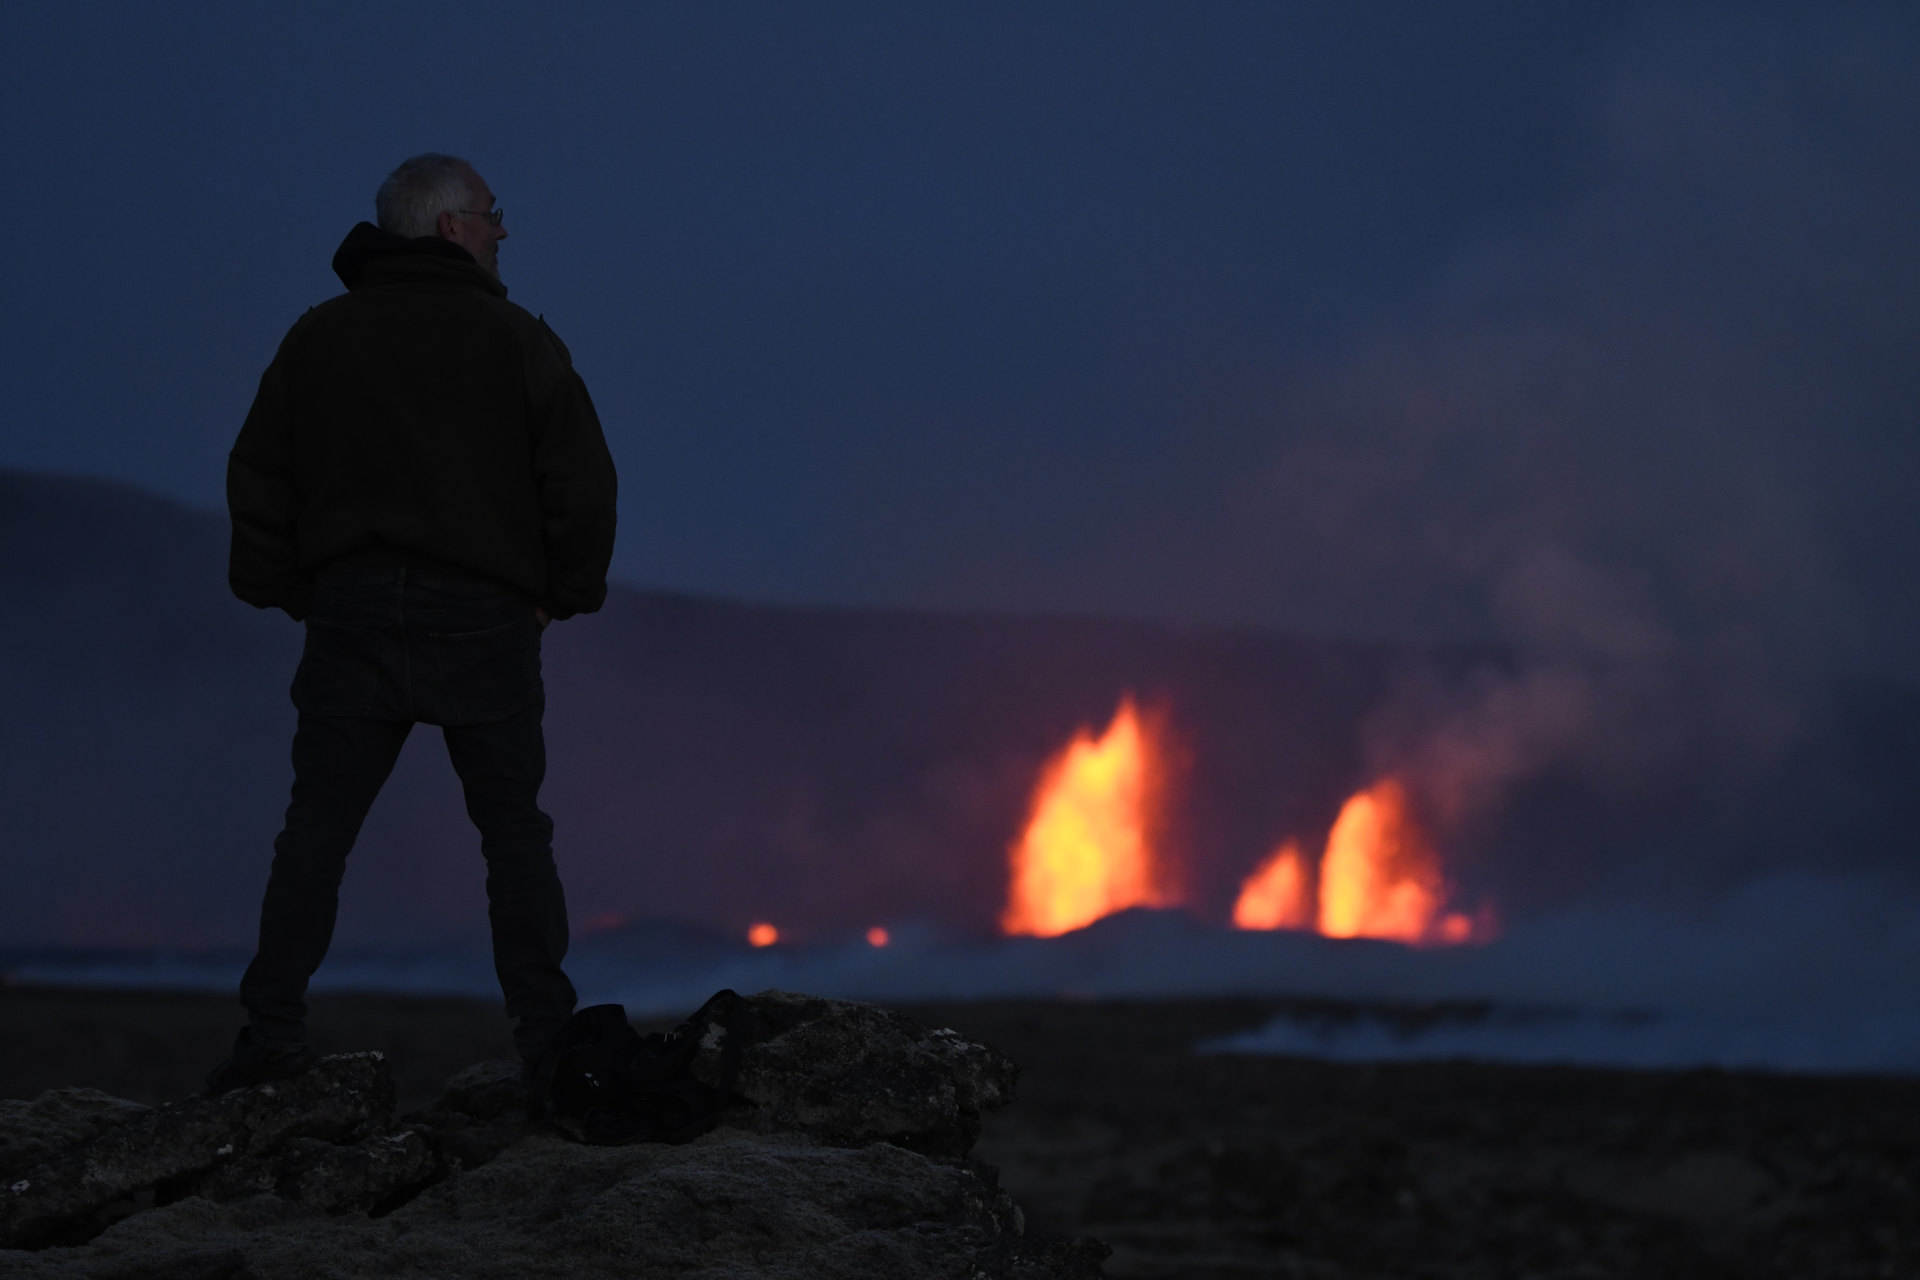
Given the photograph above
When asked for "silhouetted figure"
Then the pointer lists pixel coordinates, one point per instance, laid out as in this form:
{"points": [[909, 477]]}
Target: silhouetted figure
{"points": [[422, 479]]}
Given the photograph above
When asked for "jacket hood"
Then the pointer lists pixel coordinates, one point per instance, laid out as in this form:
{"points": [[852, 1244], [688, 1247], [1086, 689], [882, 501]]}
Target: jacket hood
{"points": [[368, 252]]}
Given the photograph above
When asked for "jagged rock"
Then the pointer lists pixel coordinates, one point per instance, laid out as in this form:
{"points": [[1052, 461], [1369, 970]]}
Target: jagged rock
{"points": [[362, 1175], [841, 1072], [841, 1160], [332, 1176], [486, 1090], [849, 1074], [481, 1112], [239, 1180], [183, 1140], [56, 1121], [729, 1204]]}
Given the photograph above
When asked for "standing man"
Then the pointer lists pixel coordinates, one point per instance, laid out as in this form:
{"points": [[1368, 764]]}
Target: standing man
{"points": [[423, 481]]}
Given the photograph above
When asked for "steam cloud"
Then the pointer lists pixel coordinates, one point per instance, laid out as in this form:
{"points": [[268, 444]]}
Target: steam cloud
{"points": [[1591, 439]]}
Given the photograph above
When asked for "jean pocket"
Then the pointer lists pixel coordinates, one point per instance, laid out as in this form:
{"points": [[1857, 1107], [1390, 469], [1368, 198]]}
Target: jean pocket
{"points": [[342, 670], [484, 675]]}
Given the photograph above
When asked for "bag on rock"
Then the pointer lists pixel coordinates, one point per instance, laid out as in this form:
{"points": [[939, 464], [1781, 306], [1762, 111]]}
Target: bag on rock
{"points": [[609, 1085]]}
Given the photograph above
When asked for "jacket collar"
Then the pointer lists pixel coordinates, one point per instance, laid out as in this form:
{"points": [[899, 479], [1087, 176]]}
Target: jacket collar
{"points": [[371, 256]]}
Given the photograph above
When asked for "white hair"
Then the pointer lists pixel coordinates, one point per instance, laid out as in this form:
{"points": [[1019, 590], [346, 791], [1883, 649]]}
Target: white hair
{"points": [[411, 200]]}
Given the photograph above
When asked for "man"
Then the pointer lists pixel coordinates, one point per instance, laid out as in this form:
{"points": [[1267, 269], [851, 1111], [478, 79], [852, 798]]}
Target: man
{"points": [[423, 481]]}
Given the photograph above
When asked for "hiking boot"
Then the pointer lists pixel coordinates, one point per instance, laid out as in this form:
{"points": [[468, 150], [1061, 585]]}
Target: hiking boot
{"points": [[256, 1060]]}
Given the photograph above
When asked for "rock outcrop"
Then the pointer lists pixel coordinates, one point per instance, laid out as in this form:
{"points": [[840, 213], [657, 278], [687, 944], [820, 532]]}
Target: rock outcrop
{"points": [[850, 1074], [844, 1156]]}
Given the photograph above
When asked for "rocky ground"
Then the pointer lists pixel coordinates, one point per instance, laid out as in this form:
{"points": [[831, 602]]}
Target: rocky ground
{"points": [[842, 1157], [1219, 1166], [1207, 1166]]}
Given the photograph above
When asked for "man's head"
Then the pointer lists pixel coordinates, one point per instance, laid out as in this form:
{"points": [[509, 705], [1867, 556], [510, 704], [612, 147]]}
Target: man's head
{"points": [[436, 195]]}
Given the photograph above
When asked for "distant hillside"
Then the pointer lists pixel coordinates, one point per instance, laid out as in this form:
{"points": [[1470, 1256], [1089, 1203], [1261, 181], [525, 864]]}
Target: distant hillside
{"points": [[713, 761]]}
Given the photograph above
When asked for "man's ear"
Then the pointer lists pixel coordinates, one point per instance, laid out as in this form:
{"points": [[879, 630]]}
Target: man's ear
{"points": [[443, 225]]}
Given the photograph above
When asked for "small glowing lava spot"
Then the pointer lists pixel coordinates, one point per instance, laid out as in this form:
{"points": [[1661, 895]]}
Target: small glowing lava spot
{"points": [[878, 937], [1456, 928], [763, 935], [603, 921]]}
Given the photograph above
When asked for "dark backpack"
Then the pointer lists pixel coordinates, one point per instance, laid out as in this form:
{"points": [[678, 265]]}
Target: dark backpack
{"points": [[607, 1084]]}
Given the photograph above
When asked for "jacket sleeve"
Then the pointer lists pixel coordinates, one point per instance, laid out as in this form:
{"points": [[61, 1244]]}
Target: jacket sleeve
{"points": [[263, 565], [577, 486]]}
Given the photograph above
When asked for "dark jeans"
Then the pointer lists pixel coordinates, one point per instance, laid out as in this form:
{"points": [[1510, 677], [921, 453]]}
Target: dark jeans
{"points": [[388, 647]]}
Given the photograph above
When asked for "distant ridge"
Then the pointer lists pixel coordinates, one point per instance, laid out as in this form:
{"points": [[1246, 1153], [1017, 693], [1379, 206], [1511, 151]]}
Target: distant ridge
{"points": [[709, 759], [713, 761]]}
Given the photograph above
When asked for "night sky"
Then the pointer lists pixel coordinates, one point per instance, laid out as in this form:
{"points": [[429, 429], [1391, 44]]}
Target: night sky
{"points": [[1587, 327]]}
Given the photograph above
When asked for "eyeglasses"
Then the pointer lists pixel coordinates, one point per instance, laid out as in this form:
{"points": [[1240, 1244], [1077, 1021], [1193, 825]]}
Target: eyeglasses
{"points": [[492, 216]]}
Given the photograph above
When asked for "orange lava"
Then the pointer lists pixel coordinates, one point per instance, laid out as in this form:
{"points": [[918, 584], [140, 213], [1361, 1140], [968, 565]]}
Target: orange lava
{"points": [[1086, 850], [763, 934], [1275, 896], [878, 937], [1380, 877]]}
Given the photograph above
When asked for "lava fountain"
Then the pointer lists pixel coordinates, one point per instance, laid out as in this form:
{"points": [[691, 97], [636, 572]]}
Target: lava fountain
{"points": [[1275, 896], [1380, 877], [1087, 848]]}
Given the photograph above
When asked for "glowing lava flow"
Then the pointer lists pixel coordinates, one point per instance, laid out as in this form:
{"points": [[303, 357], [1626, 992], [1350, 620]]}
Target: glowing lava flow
{"points": [[1379, 878], [1086, 850]]}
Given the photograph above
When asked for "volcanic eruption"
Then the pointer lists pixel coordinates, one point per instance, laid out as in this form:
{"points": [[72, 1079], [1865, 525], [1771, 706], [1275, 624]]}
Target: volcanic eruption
{"points": [[1089, 849], [1380, 877]]}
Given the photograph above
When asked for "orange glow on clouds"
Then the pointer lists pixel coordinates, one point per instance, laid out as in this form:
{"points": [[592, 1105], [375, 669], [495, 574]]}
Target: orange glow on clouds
{"points": [[763, 934], [878, 937], [602, 921]]}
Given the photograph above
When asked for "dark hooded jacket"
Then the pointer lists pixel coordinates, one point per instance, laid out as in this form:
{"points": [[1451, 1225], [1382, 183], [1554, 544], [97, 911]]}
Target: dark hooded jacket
{"points": [[421, 417]]}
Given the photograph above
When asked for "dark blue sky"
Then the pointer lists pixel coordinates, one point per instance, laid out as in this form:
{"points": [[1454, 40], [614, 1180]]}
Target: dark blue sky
{"points": [[1587, 326]]}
